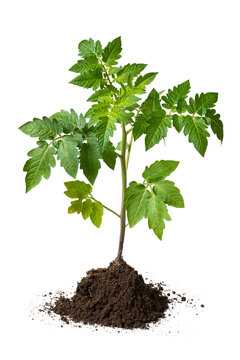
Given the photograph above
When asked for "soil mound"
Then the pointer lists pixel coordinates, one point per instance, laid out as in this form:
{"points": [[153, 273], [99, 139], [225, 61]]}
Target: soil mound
{"points": [[116, 296]]}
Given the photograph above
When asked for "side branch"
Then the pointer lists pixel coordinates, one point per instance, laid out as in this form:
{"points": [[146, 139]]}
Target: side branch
{"points": [[105, 207]]}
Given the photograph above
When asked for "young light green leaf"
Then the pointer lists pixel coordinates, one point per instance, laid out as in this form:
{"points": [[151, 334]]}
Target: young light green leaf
{"points": [[196, 129], [97, 111], [173, 96], [89, 79], [96, 213], [77, 189], [136, 200], [42, 159], [69, 155], [156, 214], [128, 101], [103, 95], [152, 104], [169, 193], [216, 123], [76, 206], [142, 81], [112, 51], [159, 170], [89, 158], [109, 155], [86, 208], [129, 69], [43, 129]]}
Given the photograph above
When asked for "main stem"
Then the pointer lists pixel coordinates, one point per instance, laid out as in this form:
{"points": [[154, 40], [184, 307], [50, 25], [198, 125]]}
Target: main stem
{"points": [[124, 186]]}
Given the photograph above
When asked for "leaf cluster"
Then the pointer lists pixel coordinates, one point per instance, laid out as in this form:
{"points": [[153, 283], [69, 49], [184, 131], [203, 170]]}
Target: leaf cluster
{"points": [[85, 141]]}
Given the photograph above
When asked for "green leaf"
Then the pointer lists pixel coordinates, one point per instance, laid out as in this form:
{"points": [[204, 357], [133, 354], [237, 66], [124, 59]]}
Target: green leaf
{"points": [[96, 112], [142, 81], [112, 51], [89, 49], [173, 96], [157, 128], [129, 69], [77, 189], [169, 193], [196, 129], [89, 79], [44, 129], [68, 155], [139, 126], [136, 200], [89, 158], [202, 102], [178, 122], [69, 120], [159, 170], [152, 103], [86, 208], [96, 213], [103, 95], [76, 206], [105, 128], [42, 159], [216, 123], [156, 214], [109, 155], [85, 65], [128, 101]]}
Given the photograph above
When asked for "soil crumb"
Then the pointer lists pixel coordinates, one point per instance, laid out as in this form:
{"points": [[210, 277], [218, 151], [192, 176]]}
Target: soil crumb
{"points": [[116, 296]]}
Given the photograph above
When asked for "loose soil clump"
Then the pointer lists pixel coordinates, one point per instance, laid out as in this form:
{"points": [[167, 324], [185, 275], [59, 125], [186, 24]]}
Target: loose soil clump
{"points": [[115, 296]]}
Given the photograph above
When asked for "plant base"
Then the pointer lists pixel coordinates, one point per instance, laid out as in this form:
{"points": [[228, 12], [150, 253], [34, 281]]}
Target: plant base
{"points": [[116, 296]]}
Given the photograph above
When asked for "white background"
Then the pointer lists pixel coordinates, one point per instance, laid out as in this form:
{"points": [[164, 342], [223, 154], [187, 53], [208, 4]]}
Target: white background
{"points": [[43, 248]]}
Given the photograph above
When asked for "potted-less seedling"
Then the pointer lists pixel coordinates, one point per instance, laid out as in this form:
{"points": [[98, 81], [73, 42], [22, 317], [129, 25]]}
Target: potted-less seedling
{"points": [[84, 141]]}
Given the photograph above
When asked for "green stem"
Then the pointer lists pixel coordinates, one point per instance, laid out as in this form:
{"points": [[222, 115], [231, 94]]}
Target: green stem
{"points": [[124, 186], [105, 207], [129, 150]]}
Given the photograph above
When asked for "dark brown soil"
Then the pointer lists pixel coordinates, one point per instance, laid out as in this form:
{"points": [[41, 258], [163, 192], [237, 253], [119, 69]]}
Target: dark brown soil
{"points": [[116, 296]]}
